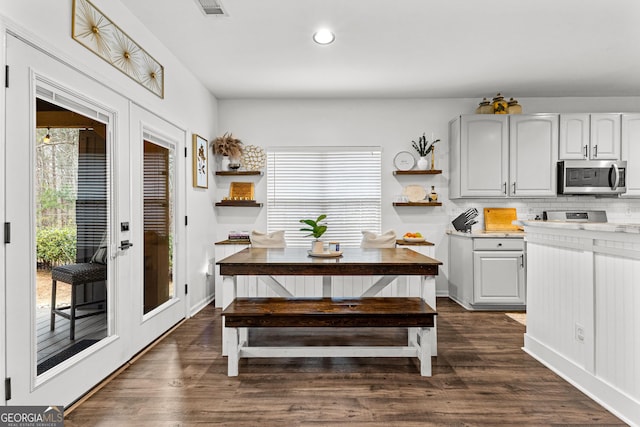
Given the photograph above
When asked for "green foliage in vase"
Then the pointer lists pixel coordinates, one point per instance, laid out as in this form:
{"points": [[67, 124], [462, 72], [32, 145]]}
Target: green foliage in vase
{"points": [[315, 229], [423, 147]]}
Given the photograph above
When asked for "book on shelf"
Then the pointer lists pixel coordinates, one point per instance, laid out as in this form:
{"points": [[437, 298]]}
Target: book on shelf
{"points": [[239, 236]]}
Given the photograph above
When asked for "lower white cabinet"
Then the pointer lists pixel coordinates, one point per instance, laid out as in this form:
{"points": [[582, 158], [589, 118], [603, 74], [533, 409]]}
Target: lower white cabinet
{"points": [[498, 277], [487, 272]]}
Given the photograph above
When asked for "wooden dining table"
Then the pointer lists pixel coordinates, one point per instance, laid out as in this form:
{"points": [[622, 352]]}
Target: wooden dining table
{"points": [[384, 264]]}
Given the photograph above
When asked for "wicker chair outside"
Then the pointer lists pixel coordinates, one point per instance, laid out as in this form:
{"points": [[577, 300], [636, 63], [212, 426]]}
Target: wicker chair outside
{"points": [[75, 275]]}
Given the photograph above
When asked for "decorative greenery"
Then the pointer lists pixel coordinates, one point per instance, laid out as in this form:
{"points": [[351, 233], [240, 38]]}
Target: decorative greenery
{"points": [[424, 147], [56, 246], [316, 229], [227, 145]]}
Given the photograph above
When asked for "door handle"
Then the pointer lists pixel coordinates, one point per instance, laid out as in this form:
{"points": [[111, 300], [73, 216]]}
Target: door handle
{"points": [[595, 150], [616, 173], [514, 187], [504, 188], [586, 154], [124, 245]]}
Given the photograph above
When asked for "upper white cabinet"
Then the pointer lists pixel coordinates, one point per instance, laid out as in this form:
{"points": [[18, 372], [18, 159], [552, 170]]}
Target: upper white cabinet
{"points": [[533, 154], [503, 155], [590, 136], [631, 153], [483, 155]]}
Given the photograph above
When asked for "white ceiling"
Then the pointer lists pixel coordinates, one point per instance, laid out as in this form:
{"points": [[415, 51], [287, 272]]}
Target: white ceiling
{"points": [[404, 48]]}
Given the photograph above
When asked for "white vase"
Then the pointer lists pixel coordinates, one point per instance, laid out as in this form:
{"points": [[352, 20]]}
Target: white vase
{"points": [[317, 246], [423, 163], [224, 163]]}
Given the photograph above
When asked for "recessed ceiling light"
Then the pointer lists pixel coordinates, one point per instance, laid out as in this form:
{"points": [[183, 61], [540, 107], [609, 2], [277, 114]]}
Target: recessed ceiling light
{"points": [[324, 36]]}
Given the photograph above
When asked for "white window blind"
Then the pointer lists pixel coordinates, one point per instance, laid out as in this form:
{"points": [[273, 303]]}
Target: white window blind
{"points": [[342, 182]]}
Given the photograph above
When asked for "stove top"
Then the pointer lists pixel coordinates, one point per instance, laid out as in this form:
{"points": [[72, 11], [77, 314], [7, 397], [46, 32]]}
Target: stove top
{"points": [[575, 216]]}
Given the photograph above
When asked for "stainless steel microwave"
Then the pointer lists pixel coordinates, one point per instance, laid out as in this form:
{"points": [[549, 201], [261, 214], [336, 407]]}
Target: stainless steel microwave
{"points": [[592, 177]]}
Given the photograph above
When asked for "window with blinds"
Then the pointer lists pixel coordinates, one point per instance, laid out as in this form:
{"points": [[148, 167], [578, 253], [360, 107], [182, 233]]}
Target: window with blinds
{"points": [[342, 182]]}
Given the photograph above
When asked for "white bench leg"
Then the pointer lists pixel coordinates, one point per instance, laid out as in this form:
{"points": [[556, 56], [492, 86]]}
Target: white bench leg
{"points": [[243, 337], [412, 339], [233, 352], [230, 291], [425, 352], [434, 338]]}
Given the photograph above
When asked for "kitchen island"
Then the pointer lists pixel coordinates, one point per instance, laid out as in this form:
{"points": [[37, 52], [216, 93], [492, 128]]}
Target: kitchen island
{"points": [[583, 308]]}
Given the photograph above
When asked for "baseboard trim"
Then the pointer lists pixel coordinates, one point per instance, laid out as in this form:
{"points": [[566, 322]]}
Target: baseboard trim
{"points": [[615, 401], [202, 304]]}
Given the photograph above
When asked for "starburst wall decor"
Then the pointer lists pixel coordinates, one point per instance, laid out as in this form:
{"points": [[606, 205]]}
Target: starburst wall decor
{"points": [[100, 35]]}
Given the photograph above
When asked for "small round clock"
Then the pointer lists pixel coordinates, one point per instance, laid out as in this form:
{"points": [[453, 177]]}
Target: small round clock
{"points": [[404, 161]]}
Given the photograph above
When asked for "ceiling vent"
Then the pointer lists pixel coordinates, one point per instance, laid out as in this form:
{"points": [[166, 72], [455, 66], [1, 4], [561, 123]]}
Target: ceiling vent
{"points": [[212, 7]]}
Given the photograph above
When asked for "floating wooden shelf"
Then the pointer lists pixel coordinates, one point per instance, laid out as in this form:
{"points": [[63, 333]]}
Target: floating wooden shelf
{"points": [[419, 172], [239, 203], [238, 173], [417, 204]]}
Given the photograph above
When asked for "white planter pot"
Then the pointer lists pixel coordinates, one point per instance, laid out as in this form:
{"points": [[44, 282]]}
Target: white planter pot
{"points": [[224, 163], [317, 246], [423, 163]]}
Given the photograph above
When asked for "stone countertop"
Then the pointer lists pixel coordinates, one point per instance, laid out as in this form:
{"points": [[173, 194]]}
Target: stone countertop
{"points": [[489, 234], [611, 227]]}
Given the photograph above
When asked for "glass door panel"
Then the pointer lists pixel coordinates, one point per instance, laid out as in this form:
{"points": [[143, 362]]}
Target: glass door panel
{"points": [[71, 190], [158, 225]]}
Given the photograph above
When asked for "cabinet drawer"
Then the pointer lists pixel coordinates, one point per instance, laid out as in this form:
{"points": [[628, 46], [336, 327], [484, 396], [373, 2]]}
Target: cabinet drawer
{"points": [[490, 244]]}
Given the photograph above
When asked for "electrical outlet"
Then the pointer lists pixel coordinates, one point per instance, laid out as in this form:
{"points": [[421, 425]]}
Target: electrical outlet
{"points": [[579, 333]]}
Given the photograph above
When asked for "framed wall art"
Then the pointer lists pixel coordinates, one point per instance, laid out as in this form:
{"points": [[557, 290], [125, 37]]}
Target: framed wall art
{"points": [[200, 162]]}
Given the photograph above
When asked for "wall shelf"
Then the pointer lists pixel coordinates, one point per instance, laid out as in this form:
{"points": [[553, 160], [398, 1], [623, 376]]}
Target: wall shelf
{"points": [[238, 173], [417, 204], [419, 172], [239, 203]]}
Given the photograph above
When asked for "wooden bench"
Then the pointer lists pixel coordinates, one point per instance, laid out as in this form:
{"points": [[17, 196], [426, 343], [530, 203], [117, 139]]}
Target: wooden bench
{"points": [[397, 312]]}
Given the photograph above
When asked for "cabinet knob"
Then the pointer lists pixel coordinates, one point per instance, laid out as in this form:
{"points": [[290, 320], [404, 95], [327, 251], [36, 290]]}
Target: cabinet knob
{"points": [[499, 244]]}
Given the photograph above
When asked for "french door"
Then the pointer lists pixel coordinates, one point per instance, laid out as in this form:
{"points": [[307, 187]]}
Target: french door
{"points": [[91, 186]]}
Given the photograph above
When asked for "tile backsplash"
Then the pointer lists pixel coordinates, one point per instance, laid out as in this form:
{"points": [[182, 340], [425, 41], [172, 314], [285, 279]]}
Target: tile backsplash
{"points": [[618, 209]]}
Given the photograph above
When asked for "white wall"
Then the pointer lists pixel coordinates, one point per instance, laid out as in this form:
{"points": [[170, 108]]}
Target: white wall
{"points": [[186, 104], [392, 124]]}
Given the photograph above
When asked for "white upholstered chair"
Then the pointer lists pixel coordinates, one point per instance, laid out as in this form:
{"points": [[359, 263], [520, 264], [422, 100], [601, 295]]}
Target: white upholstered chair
{"points": [[374, 240], [275, 239]]}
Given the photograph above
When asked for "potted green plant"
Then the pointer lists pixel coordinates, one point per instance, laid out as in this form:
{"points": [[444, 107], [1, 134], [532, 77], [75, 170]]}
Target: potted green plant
{"points": [[424, 147], [315, 229]]}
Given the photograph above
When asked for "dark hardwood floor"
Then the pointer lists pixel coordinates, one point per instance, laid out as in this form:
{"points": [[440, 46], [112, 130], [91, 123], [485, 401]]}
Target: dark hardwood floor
{"points": [[481, 377]]}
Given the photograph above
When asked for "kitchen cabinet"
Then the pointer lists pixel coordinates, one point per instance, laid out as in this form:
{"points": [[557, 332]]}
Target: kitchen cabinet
{"points": [[479, 156], [533, 154], [630, 151], [489, 272], [500, 156], [585, 136]]}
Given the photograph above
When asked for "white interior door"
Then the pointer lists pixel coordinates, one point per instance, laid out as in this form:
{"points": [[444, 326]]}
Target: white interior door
{"points": [[44, 92]]}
